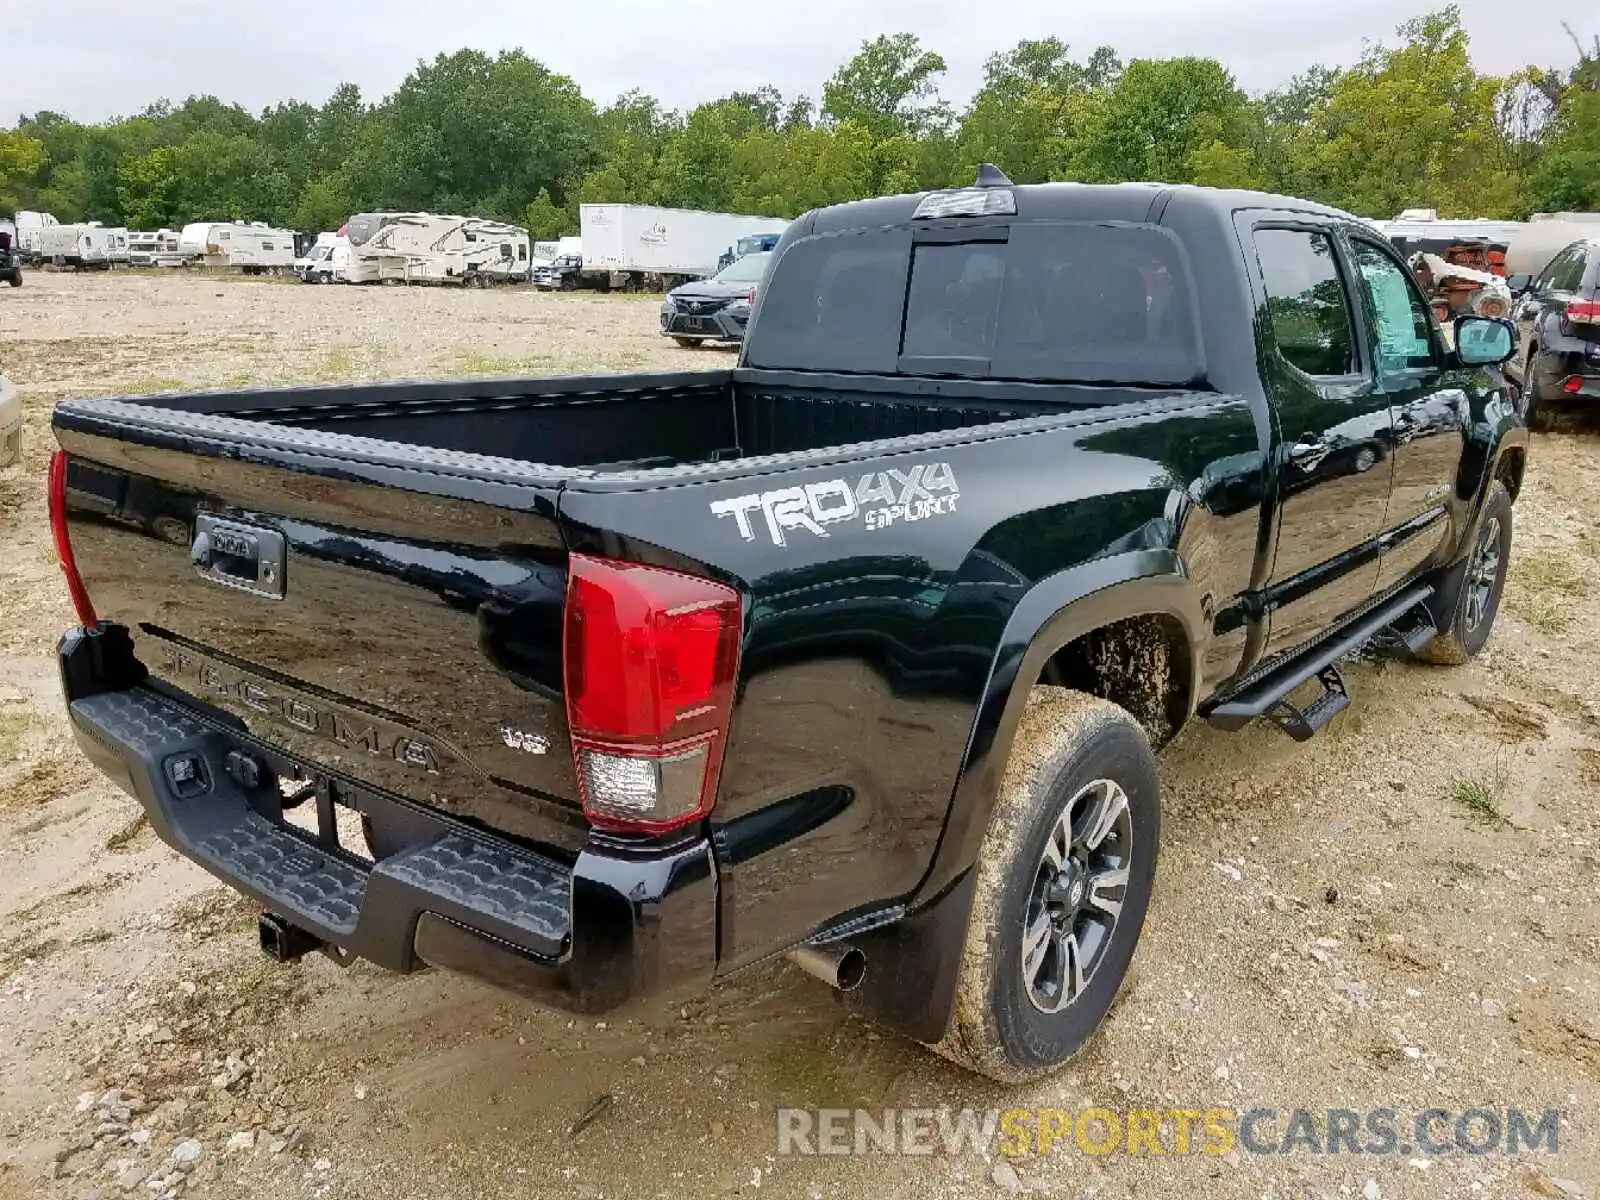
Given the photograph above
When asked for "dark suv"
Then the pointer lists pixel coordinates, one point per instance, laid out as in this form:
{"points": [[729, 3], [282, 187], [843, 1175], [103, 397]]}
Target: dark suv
{"points": [[1558, 317]]}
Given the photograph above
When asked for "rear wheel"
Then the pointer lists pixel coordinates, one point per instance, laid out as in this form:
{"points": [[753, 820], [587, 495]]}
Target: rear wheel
{"points": [[688, 343], [15, 279], [1538, 415], [1482, 583], [1064, 877]]}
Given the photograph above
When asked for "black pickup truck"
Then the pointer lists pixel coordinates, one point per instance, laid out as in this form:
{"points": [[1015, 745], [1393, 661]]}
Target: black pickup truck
{"points": [[858, 652]]}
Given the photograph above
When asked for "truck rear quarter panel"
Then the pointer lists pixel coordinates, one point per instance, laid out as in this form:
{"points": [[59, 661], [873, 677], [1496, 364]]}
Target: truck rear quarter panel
{"points": [[878, 589]]}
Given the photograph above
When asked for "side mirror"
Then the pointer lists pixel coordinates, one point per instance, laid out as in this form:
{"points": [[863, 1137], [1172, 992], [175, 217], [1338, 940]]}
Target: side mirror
{"points": [[1484, 341], [1518, 283]]}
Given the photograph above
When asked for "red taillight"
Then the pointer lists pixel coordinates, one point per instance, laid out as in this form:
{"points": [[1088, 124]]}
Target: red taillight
{"points": [[1573, 385], [63, 540], [751, 298], [651, 659]]}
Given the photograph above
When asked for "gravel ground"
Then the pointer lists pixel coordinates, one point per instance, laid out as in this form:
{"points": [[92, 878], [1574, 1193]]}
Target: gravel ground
{"points": [[1403, 914]]}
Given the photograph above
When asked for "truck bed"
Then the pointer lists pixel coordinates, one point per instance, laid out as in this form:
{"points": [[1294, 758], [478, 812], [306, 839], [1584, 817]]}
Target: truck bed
{"points": [[619, 423]]}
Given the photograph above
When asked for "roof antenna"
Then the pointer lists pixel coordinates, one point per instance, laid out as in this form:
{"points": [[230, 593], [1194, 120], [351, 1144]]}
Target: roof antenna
{"points": [[990, 175]]}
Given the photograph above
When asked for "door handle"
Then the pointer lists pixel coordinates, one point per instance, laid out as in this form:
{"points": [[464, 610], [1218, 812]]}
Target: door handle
{"points": [[1308, 455]]}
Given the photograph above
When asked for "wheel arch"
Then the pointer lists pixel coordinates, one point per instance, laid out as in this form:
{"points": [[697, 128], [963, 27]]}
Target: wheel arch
{"points": [[917, 993], [1058, 613]]}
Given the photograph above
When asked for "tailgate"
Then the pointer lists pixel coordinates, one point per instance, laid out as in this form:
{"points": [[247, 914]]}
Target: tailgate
{"points": [[389, 613]]}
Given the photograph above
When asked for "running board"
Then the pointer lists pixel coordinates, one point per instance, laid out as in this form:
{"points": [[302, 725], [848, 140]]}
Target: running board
{"points": [[1403, 618]]}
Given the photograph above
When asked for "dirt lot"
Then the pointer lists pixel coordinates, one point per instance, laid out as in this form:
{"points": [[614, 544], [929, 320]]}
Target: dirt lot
{"points": [[1404, 913]]}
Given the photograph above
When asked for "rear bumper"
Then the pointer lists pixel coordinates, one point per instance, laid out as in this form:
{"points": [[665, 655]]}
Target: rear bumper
{"points": [[615, 925]]}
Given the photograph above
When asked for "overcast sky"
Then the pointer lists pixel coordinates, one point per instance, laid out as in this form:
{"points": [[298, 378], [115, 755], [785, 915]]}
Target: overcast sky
{"points": [[97, 58]]}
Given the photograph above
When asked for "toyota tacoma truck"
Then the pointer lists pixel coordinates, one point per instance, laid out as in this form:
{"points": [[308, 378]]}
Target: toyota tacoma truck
{"points": [[858, 652]]}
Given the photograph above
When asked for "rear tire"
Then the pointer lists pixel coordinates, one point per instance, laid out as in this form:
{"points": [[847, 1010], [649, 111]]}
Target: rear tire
{"points": [[1482, 585], [688, 343], [1047, 948], [16, 278], [1538, 415]]}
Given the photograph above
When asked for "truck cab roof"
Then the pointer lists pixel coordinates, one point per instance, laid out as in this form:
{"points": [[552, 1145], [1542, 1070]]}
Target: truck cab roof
{"points": [[1066, 202]]}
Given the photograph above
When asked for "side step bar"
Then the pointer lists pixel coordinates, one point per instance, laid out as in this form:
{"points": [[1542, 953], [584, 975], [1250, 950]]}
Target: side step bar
{"points": [[1403, 617]]}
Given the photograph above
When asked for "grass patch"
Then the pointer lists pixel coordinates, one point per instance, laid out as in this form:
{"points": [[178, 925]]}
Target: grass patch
{"points": [[337, 363], [150, 385], [475, 362], [1481, 796], [13, 727], [1544, 589], [1549, 619]]}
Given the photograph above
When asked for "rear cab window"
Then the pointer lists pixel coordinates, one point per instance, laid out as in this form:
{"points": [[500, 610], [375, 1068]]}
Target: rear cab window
{"points": [[1044, 301]]}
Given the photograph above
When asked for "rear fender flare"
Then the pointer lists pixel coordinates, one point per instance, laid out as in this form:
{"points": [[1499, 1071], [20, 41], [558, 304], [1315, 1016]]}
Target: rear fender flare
{"points": [[1058, 609], [915, 992]]}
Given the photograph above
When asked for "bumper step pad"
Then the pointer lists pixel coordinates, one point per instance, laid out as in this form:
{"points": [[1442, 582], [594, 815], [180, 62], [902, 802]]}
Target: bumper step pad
{"points": [[176, 765]]}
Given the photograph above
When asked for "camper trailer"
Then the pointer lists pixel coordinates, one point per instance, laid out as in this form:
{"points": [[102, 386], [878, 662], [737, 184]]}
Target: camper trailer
{"points": [[253, 248], [434, 248], [117, 251], [78, 246], [192, 241], [30, 233], [154, 249]]}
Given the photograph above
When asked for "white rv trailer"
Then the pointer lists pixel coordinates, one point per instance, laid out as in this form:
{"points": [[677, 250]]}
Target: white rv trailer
{"points": [[435, 248], [30, 230], [253, 248], [77, 245], [154, 248], [117, 250], [192, 240], [640, 245]]}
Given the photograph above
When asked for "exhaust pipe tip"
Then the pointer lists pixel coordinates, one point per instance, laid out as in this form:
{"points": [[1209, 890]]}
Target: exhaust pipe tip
{"points": [[851, 971], [837, 964]]}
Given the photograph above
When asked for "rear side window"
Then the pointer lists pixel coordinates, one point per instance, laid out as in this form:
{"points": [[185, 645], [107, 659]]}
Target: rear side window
{"points": [[834, 304], [1307, 301], [1057, 302]]}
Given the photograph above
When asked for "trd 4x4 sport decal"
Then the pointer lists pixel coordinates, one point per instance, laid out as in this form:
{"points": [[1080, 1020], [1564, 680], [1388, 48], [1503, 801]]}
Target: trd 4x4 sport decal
{"points": [[881, 499]]}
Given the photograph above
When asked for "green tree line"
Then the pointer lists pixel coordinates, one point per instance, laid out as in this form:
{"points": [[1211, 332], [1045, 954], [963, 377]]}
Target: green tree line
{"points": [[1412, 123]]}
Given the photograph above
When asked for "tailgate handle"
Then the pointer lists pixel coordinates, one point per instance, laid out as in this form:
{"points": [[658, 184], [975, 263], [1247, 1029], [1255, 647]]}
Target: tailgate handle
{"points": [[239, 555]]}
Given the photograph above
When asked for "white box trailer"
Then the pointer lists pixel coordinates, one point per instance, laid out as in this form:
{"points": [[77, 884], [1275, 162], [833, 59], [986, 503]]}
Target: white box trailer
{"points": [[640, 245], [436, 248]]}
